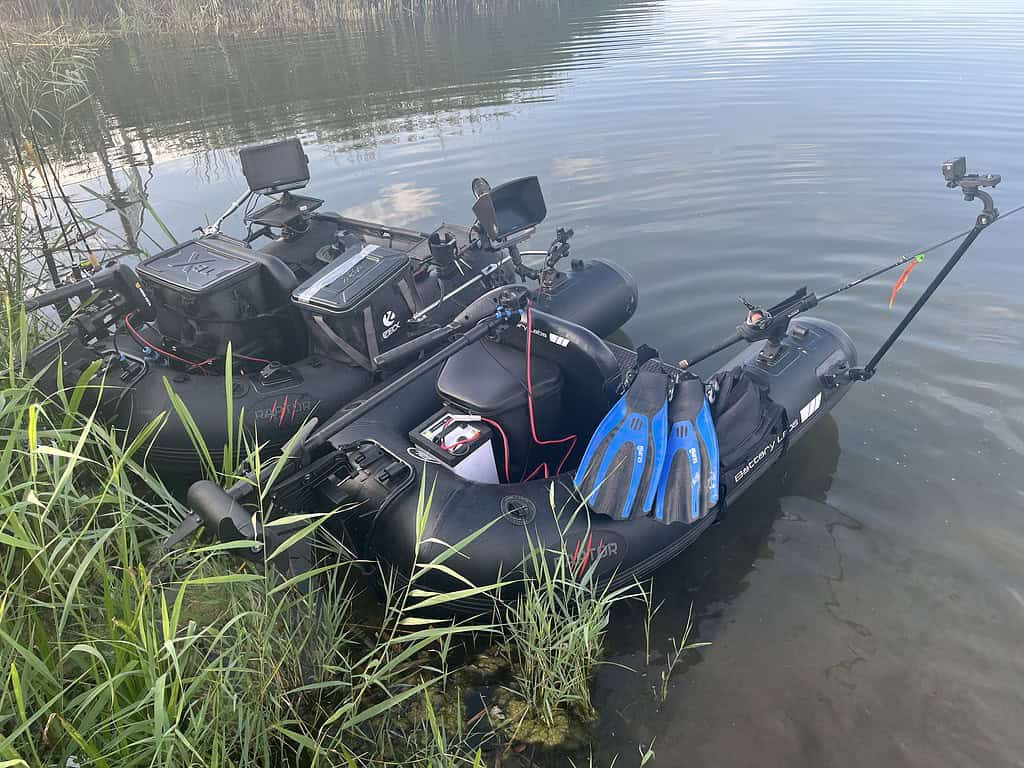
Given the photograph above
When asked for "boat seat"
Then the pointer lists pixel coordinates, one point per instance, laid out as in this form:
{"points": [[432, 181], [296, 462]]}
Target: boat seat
{"points": [[489, 378]]}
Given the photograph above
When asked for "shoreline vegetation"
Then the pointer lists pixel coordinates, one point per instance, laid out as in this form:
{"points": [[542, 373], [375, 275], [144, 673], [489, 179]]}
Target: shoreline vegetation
{"points": [[215, 17]]}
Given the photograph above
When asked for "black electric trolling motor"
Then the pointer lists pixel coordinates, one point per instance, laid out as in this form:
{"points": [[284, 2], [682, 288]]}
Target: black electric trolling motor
{"points": [[772, 323]]}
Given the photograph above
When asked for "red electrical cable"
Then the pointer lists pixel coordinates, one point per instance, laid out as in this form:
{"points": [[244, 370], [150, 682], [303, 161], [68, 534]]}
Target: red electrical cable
{"points": [[543, 465], [571, 439], [458, 443], [248, 357], [504, 442], [146, 342]]}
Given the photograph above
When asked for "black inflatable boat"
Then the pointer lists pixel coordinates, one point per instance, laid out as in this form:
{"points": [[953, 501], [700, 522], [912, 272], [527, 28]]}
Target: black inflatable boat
{"points": [[493, 428], [572, 387], [327, 308]]}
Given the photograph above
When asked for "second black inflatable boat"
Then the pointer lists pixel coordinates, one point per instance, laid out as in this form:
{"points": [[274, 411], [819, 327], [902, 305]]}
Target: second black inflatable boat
{"points": [[326, 308]]}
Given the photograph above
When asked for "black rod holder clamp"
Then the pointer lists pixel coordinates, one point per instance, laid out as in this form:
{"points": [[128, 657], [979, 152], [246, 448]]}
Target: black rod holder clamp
{"points": [[955, 173]]}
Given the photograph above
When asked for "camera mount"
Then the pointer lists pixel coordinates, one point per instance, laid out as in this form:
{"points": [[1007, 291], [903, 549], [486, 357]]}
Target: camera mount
{"points": [[955, 174]]}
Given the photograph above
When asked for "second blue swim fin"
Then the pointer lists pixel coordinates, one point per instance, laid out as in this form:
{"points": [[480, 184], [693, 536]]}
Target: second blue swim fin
{"points": [[620, 469], [688, 486]]}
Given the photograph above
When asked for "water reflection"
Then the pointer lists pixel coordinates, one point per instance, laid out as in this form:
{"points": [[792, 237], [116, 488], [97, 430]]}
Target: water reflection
{"points": [[715, 570], [397, 202], [580, 169], [351, 88], [713, 574]]}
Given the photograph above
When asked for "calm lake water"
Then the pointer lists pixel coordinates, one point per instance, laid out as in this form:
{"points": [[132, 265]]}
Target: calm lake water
{"points": [[865, 603]]}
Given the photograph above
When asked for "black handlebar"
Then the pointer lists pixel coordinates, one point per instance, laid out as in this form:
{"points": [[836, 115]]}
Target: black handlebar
{"points": [[119, 278], [220, 511], [480, 309], [83, 287], [415, 346]]}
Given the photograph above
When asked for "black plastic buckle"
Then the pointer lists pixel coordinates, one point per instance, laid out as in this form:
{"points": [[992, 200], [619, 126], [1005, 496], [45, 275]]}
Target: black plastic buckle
{"points": [[860, 374], [366, 455], [390, 472]]}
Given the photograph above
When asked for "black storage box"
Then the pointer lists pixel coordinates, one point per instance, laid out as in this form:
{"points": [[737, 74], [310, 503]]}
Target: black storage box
{"points": [[489, 379], [214, 289], [361, 303]]}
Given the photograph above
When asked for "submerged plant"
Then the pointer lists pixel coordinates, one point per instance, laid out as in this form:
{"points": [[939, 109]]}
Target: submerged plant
{"points": [[679, 647], [555, 631]]}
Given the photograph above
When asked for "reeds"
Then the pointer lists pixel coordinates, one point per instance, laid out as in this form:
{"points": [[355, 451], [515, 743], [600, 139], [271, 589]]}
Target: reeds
{"points": [[43, 78], [555, 639], [117, 653], [212, 17]]}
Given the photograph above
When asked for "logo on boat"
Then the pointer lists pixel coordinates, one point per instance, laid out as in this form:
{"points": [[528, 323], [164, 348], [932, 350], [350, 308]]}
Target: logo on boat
{"points": [[597, 547], [769, 449], [761, 455], [812, 406], [289, 409], [554, 338], [391, 324]]}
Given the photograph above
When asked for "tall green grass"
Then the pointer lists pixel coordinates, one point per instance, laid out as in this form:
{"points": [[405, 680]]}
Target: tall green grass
{"points": [[554, 640], [117, 653]]}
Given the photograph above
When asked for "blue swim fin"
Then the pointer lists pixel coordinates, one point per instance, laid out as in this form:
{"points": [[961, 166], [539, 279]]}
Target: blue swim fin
{"points": [[620, 469], [688, 486], [709, 437]]}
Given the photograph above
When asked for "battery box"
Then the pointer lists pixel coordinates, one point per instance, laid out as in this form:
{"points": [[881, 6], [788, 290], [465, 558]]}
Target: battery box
{"points": [[460, 443]]}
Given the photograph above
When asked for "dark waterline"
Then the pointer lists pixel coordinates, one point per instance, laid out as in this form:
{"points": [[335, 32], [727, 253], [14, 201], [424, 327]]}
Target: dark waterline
{"points": [[865, 601]]}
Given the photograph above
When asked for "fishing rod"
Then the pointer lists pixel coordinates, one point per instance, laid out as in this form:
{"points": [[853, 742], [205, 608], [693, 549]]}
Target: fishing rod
{"points": [[772, 323], [917, 257]]}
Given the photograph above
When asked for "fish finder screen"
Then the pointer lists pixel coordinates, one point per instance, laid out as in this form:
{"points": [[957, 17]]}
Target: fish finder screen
{"points": [[275, 167]]}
